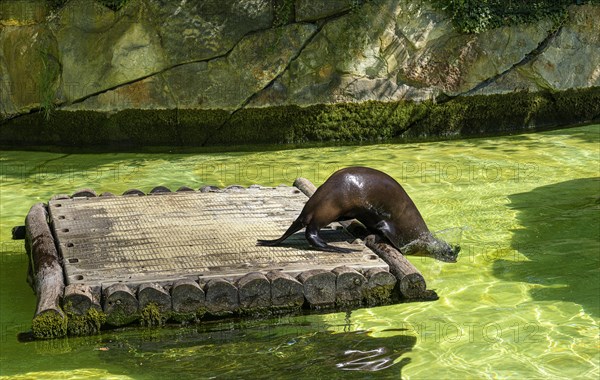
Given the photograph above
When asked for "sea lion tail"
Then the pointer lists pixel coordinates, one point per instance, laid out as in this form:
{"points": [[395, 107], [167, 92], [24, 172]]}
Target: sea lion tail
{"points": [[296, 226]]}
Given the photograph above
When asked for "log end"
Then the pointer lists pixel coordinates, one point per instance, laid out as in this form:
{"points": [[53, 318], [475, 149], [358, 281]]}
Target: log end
{"points": [[49, 324]]}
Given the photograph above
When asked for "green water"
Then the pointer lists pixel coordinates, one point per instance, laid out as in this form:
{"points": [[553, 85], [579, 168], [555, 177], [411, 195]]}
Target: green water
{"points": [[521, 302]]}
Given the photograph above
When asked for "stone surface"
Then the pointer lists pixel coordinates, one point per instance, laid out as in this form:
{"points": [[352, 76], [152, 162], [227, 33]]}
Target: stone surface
{"points": [[200, 30], [229, 54], [100, 49]]}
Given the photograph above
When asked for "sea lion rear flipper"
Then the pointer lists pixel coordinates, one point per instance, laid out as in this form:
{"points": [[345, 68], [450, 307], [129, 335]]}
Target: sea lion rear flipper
{"points": [[313, 237], [295, 227]]}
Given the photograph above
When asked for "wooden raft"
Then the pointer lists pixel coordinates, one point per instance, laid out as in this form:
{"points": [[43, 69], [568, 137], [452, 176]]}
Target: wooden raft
{"points": [[187, 255]]}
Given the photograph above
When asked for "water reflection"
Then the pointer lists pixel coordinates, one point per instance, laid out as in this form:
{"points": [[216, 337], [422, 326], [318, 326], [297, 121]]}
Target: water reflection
{"points": [[284, 350]]}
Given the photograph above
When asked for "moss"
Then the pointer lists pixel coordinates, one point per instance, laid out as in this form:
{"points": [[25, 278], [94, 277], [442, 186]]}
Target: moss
{"points": [[370, 121], [88, 324], [49, 324], [188, 317], [152, 316], [379, 295]]}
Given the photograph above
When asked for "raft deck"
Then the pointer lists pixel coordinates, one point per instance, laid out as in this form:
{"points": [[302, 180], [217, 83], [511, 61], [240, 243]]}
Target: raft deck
{"points": [[185, 255]]}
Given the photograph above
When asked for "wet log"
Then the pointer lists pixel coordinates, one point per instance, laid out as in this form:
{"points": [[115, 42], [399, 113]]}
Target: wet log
{"points": [[45, 274], [184, 189], [82, 305], [210, 189], [349, 286], [84, 193], [380, 286], [287, 293], [319, 287], [160, 190], [154, 303], [19, 232], [254, 292], [410, 280], [80, 298], [154, 294], [120, 305], [221, 297], [188, 299], [134, 192]]}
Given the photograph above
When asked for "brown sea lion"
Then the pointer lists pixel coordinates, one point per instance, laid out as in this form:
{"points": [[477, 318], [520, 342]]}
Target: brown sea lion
{"points": [[377, 201]]}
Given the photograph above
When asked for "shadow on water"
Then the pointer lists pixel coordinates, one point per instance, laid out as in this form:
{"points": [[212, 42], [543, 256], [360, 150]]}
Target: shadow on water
{"points": [[279, 351], [560, 237]]}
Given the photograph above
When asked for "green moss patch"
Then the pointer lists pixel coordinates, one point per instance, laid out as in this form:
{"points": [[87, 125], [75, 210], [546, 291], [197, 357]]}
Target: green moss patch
{"points": [[153, 316], [49, 324], [371, 121], [88, 324]]}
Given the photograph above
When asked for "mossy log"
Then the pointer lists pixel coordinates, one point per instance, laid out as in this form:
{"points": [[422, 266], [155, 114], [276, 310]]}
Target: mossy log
{"points": [[349, 286], [45, 275], [319, 287], [254, 292], [287, 293], [380, 286], [410, 280], [120, 305], [221, 297], [188, 300], [154, 304], [81, 303]]}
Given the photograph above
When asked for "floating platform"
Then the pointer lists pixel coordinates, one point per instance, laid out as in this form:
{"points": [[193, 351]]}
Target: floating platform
{"points": [[188, 255]]}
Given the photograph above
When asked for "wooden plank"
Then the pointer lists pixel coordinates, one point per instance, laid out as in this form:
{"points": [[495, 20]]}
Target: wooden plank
{"points": [[156, 238]]}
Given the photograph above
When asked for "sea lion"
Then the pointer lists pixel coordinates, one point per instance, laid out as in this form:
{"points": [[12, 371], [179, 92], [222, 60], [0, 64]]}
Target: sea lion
{"points": [[377, 201]]}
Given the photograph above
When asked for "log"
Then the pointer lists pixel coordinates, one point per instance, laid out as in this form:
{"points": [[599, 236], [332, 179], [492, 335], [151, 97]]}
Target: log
{"points": [[221, 297], [60, 196], [160, 190], [79, 298], [234, 188], [410, 280], [349, 286], [188, 299], [287, 293], [84, 193], [305, 186], [45, 274], [120, 305], [19, 232], [107, 194], [210, 189], [380, 286], [184, 188], [134, 192], [255, 293], [154, 303], [319, 287], [82, 305], [152, 293]]}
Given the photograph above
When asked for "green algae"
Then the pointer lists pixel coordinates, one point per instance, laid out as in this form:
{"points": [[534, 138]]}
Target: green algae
{"points": [[49, 324]]}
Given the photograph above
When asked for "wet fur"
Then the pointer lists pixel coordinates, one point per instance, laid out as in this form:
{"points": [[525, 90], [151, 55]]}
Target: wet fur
{"points": [[368, 195]]}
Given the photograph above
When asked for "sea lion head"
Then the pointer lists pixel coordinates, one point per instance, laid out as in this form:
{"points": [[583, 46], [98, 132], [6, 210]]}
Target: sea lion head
{"points": [[429, 245], [442, 251]]}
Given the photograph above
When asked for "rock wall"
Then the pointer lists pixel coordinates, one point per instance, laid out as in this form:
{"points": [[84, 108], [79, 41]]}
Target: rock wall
{"points": [[228, 56]]}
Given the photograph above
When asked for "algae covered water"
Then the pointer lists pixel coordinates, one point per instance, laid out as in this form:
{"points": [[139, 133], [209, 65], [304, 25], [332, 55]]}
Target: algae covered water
{"points": [[523, 300]]}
